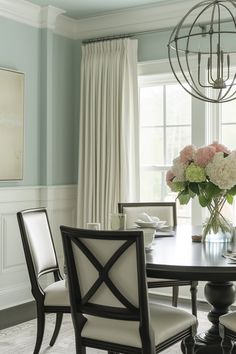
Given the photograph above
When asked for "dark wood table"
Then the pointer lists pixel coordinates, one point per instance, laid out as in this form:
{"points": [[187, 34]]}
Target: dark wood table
{"points": [[177, 257]]}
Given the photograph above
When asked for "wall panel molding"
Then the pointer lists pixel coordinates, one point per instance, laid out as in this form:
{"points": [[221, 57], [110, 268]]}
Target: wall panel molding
{"points": [[60, 202]]}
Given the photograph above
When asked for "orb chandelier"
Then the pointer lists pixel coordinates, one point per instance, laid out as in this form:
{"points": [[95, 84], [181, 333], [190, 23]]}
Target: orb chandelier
{"points": [[202, 51]]}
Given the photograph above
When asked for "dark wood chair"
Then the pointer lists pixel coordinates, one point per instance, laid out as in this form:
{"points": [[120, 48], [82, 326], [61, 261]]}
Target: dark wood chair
{"points": [[108, 295], [165, 211], [41, 259], [227, 328]]}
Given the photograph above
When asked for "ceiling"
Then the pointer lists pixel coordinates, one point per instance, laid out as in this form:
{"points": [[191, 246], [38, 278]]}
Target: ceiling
{"points": [[87, 8]]}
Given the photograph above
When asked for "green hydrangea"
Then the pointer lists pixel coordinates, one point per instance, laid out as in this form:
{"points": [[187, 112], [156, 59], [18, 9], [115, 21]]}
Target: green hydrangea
{"points": [[195, 173], [177, 186]]}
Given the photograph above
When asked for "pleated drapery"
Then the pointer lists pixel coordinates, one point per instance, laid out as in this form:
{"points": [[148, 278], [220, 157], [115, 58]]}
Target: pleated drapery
{"points": [[109, 126]]}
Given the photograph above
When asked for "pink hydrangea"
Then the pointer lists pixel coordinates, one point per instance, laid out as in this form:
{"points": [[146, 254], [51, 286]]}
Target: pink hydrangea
{"points": [[169, 177], [220, 147], [186, 155], [204, 155]]}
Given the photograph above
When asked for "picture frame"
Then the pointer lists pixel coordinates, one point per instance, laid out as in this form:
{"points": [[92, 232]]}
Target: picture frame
{"points": [[11, 124]]}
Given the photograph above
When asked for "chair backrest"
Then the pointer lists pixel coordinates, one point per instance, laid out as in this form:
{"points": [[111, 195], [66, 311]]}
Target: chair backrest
{"points": [[37, 242], [165, 211], [106, 273]]}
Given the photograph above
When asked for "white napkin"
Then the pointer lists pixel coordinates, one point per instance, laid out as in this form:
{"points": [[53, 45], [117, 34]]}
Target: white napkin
{"points": [[144, 217]]}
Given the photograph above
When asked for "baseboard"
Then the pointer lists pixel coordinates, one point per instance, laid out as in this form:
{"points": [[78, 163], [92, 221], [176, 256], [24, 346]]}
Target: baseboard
{"points": [[17, 314]]}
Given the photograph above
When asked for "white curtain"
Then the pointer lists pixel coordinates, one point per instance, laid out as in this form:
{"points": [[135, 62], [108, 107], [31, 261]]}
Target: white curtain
{"points": [[109, 128]]}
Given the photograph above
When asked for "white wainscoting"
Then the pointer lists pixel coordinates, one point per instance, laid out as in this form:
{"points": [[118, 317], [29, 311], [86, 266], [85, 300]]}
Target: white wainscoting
{"points": [[60, 202]]}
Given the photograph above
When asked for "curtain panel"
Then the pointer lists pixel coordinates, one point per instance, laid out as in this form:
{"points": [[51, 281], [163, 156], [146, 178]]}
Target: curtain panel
{"points": [[109, 129]]}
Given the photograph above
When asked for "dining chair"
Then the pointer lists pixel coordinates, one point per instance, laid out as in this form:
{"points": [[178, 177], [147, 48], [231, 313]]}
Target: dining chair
{"points": [[165, 211], [108, 295], [41, 259], [227, 329]]}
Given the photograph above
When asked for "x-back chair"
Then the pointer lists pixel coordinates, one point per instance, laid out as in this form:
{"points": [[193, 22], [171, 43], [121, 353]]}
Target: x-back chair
{"points": [[108, 295], [165, 211], [41, 259]]}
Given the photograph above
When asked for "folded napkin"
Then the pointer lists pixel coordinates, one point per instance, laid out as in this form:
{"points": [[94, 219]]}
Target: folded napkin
{"points": [[147, 221], [144, 217]]}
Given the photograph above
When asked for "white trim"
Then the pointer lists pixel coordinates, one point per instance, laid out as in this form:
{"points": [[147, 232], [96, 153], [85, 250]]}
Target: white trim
{"points": [[21, 11], [61, 203], [144, 18], [49, 16]]}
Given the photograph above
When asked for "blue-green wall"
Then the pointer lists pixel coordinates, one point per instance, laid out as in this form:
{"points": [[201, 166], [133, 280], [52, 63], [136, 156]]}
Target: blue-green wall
{"points": [[51, 64], [51, 145], [20, 50], [153, 46]]}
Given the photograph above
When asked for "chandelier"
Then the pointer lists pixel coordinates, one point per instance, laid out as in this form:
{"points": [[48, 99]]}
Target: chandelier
{"points": [[202, 51]]}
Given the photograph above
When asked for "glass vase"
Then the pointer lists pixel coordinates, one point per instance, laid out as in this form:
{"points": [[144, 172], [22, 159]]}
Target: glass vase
{"points": [[217, 228]]}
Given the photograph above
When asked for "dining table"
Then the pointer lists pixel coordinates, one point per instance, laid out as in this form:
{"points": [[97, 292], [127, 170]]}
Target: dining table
{"points": [[174, 255]]}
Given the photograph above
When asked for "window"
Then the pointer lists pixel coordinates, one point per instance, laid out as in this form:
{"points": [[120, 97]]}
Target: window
{"points": [[170, 118], [165, 128], [228, 124]]}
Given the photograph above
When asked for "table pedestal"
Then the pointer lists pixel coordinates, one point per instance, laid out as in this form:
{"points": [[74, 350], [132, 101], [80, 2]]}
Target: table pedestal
{"points": [[221, 295]]}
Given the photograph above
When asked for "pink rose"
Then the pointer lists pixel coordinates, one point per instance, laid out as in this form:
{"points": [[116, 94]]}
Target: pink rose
{"points": [[204, 155], [186, 155], [220, 147]]}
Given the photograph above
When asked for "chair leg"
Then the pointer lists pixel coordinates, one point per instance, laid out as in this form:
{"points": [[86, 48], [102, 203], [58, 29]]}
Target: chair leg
{"points": [[189, 345], [193, 290], [226, 345], [59, 317], [175, 294], [40, 329]]}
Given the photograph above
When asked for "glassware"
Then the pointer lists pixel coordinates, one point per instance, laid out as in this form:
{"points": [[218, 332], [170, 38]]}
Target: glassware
{"points": [[93, 226], [217, 228]]}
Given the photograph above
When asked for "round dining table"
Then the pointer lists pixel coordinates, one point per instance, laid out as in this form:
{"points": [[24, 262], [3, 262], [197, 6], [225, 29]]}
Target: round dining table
{"points": [[173, 255]]}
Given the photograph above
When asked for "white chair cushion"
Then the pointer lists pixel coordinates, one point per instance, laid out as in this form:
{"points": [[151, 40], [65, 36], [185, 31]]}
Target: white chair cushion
{"points": [[166, 322], [164, 213], [57, 294], [229, 320]]}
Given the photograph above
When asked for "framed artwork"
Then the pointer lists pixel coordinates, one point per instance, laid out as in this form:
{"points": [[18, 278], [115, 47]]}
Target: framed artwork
{"points": [[11, 124]]}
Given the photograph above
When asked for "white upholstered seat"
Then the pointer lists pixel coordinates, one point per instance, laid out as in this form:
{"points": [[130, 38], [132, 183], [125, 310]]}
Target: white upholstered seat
{"points": [[57, 294], [41, 259], [229, 321], [108, 294], [165, 211], [227, 329], [165, 321]]}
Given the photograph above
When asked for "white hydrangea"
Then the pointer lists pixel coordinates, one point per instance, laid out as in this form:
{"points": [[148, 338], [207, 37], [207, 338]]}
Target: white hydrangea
{"points": [[222, 170], [178, 170]]}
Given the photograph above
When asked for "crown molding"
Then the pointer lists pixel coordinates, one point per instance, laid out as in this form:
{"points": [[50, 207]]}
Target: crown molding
{"points": [[149, 18], [139, 19], [21, 11], [49, 16]]}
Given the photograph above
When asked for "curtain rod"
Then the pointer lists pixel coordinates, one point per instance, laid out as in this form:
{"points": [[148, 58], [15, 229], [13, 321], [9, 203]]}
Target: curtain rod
{"points": [[128, 35], [108, 38]]}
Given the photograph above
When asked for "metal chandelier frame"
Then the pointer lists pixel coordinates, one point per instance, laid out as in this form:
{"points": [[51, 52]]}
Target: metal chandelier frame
{"points": [[215, 80]]}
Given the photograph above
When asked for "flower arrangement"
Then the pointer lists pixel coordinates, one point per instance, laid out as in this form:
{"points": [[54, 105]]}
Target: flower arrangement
{"points": [[209, 173]]}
